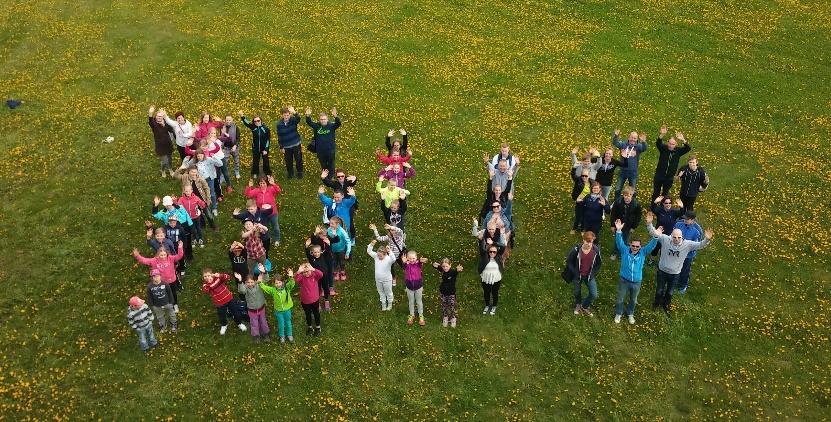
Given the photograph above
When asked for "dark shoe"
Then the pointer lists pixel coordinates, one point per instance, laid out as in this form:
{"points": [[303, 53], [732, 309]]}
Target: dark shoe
{"points": [[299, 175], [317, 332], [309, 331]]}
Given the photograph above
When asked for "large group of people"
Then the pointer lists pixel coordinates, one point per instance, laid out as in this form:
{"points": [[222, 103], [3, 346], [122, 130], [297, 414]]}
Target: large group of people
{"points": [[208, 149]]}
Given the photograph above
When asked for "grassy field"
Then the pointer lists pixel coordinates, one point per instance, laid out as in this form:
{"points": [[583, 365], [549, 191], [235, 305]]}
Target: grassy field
{"points": [[748, 83]]}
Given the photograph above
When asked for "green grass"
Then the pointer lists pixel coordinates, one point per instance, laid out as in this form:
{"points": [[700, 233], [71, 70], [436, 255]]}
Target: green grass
{"points": [[748, 83]]}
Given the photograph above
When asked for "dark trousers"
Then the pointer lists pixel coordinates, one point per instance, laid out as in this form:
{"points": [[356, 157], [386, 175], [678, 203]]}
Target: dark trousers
{"points": [[218, 185], [324, 284], [689, 203], [327, 161], [231, 307], [255, 165], [491, 293], [186, 242], [182, 154], [664, 287], [175, 287], [294, 157], [661, 187], [340, 261], [578, 216], [312, 311]]}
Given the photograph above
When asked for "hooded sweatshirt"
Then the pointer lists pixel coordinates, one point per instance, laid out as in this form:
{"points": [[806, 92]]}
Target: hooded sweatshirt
{"points": [[672, 255], [254, 297], [309, 292], [166, 266], [282, 297], [631, 265], [383, 267]]}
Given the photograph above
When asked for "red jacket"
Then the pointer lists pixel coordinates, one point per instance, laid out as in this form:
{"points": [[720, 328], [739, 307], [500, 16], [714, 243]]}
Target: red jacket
{"points": [[202, 129], [392, 160], [309, 292], [191, 151], [220, 295], [190, 203], [269, 196]]}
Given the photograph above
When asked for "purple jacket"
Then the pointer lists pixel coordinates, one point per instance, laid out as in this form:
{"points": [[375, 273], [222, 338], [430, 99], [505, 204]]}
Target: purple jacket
{"points": [[400, 177], [412, 276]]}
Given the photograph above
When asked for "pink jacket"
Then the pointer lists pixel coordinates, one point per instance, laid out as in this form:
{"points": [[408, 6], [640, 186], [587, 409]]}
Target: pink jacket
{"points": [[269, 196], [165, 266], [309, 292], [190, 203]]}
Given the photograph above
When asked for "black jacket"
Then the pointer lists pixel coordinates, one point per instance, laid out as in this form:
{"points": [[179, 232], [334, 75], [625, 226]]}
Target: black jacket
{"points": [[629, 214], [606, 172], [668, 160], [573, 261], [693, 181]]}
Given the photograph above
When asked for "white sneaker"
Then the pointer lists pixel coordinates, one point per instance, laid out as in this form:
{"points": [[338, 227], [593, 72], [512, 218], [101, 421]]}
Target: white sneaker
{"points": [[242, 327], [176, 308], [493, 310], [577, 309], [485, 311], [237, 176], [216, 213], [223, 329], [617, 319], [201, 243], [277, 243], [632, 319]]}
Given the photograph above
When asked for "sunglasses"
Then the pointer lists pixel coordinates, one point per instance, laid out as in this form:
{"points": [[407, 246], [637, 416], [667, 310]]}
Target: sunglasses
{"points": [[585, 175], [257, 120], [340, 176], [496, 206], [493, 252], [636, 246], [667, 203]]}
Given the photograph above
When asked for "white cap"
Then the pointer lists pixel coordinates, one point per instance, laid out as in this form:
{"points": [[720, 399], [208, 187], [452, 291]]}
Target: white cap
{"points": [[167, 201]]}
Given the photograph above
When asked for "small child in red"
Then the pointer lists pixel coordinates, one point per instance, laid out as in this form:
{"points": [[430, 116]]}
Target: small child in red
{"points": [[214, 285]]}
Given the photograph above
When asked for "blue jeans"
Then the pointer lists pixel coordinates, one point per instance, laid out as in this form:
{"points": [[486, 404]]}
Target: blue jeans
{"points": [[604, 191], [283, 322], [627, 288], [578, 294], [224, 172], [213, 192], [275, 226], [622, 178], [684, 277], [664, 286], [147, 338]]}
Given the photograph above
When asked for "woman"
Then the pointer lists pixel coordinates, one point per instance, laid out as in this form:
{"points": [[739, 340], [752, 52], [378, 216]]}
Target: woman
{"points": [[182, 129], [606, 171], [206, 166], [495, 193], [490, 271], [584, 262], [593, 206], [161, 139]]}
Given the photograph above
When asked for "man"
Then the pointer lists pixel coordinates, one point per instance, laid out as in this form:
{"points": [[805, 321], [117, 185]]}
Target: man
{"points": [[691, 231], [338, 205], [628, 210], [290, 141], [342, 182], [505, 154], [667, 217], [693, 181], [631, 272], [674, 249], [668, 157], [501, 174], [324, 137], [261, 139], [230, 142], [630, 152]]}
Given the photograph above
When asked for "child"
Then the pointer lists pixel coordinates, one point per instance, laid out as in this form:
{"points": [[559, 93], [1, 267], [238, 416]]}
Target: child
{"points": [[255, 303], [341, 247], [141, 319], [389, 193], [282, 304], [253, 243], [395, 173], [319, 253], [259, 215], [266, 194], [239, 261], [182, 219], [157, 239], [308, 278], [194, 205], [383, 275], [395, 213], [447, 291], [166, 264], [160, 296], [395, 238], [414, 283], [214, 285]]}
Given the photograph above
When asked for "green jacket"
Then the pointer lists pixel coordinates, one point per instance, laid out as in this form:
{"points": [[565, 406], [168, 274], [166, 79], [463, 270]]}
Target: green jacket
{"points": [[282, 297]]}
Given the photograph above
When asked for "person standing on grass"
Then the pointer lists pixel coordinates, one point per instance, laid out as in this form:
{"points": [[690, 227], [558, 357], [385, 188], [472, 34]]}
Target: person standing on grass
{"points": [[490, 272], [165, 264], [590, 162], [308, 278], [195, 207], [674, 250], [690, 230], [631, 151], [488, 236], [396, 145], [214, 285], [666, 216], [383, 273], [260, 141], [606, 171], [182, 130], [255, 305], [339, 205], [494, 193], [505, 155], [189, 176], [324, 137], [341, 247], [160, 296], [141, 320], [161, 139], [290, 141], [252, 236], [631, 272], [342, 182], [389, 192], [580, 189], [229, 136], [693, 181], [668, 157], [593, 209], [167, 236], [394, 215], [447, 291], [206, 123], [500, 177], [398, 173], [266, 194], [584, 262], [206, 166], [414, 282], [396, 240], [281, 293], [258, 216], [319, 253], [628, 210]]}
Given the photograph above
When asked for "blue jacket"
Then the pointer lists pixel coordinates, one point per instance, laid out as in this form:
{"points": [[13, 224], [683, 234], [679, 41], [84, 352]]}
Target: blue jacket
{"points": [[343, 243], [163, 214], [631, 266], [341, 210], [592, 213], [631, 162], [666, 219], [692, 232], [287, 135]]}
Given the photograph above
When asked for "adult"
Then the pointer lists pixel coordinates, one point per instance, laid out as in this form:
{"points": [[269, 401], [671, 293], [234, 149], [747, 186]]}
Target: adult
{"points": [[634, 146], [490, 273], [342, 182], [324, 137], [290, 141], [666, 216], [189, 176], [182, 130], [161, 139], [206, 166], [590, 162], [229, 136], [580, 189], [396, 145], [606, 171], [693, 181], [690, 230], [593, 209], [631, 272], [668, 157], [505, 154], [495, 193], [489, 236], [628, 210], [674, 250], [260, 141], [338, 205], [584, 261]]}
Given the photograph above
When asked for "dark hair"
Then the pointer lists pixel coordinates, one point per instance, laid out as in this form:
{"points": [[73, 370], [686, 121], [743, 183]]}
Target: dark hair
{"points": [[284, 110], [192, 167], [337, 191], [179, 113], [635, 239], [340, 170]]}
